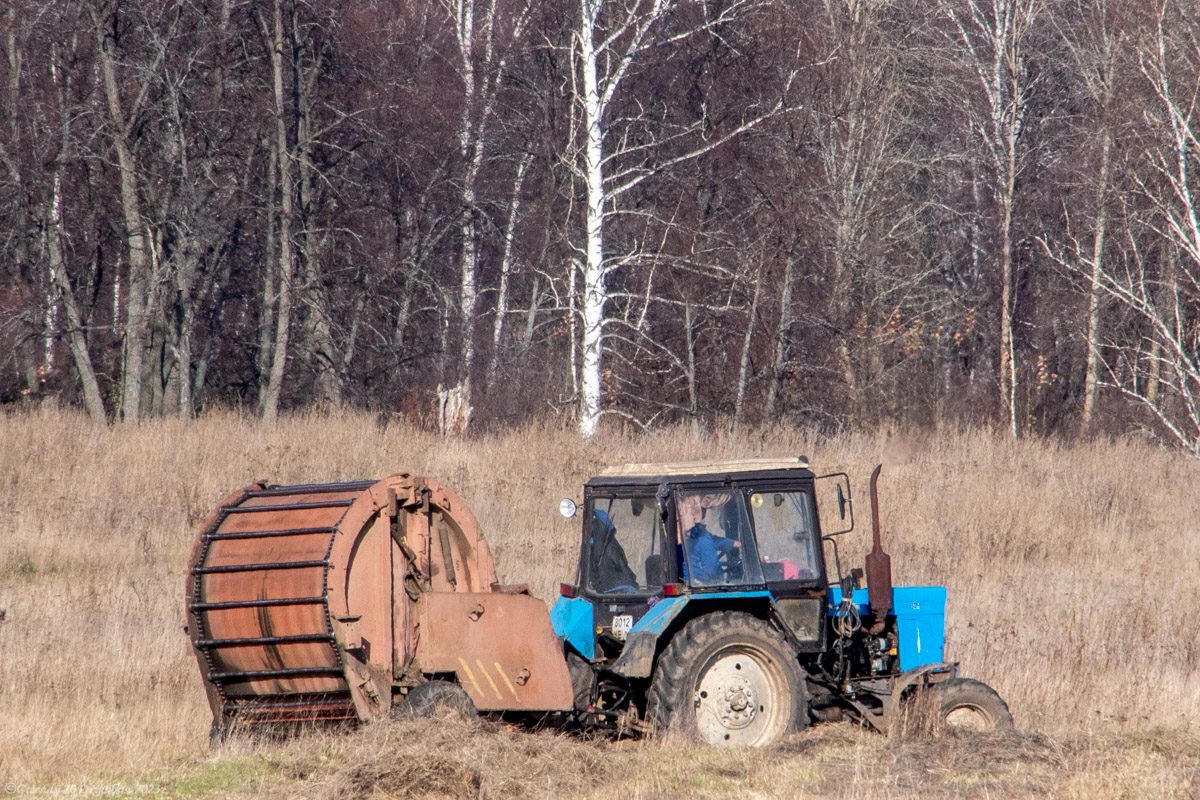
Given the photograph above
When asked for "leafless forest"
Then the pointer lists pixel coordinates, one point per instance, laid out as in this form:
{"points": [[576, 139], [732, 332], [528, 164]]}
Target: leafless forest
{"points": [[723, 212]]}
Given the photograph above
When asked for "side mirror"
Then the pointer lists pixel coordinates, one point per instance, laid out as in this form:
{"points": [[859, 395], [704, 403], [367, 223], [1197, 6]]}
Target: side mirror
{"points": [[835, 499], [567, 507]]}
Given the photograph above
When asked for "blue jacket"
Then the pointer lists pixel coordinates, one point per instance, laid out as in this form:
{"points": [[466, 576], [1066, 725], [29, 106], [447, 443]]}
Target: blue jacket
{"points": [[704, 553]]}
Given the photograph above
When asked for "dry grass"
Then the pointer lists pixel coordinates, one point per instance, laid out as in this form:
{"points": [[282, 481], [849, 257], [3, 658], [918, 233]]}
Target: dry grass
{"points": [[1070, 571], [445, 759]]}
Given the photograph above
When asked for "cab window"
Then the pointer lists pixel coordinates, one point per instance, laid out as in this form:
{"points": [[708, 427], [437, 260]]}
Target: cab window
{"points": [[714, 535], [624, 545], [785, 527]]}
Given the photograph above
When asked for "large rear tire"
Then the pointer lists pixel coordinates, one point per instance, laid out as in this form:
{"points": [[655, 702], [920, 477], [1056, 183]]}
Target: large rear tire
{"points": [[728, 679], [969, 705], [582, 680]]}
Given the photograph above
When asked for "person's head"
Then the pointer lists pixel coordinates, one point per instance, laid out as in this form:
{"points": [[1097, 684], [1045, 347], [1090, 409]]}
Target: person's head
{"points": [[602, 526]]}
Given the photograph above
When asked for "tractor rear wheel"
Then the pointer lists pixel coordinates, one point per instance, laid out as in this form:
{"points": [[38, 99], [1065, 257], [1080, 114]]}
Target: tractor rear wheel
{"points": [[432, 698], [970, 705], [582, 680], [728, 679]]}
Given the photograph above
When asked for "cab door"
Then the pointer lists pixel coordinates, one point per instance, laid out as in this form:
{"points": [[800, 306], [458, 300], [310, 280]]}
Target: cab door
{"points": [[625, 558], [788, 544]]}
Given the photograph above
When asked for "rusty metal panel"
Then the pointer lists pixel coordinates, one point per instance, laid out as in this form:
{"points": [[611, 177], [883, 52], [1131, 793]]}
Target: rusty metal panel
{"points": [[501, 646]]}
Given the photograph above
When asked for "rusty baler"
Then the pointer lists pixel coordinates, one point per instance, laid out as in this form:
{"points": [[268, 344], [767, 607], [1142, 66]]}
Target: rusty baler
{"points": [[333, 602]]}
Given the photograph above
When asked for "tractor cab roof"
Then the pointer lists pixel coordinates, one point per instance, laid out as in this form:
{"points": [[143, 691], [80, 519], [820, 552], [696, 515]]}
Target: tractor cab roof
{"points": [[726, 470]]}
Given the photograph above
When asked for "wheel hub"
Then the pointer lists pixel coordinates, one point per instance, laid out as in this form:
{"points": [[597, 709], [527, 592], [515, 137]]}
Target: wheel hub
{"points": [[738, 705], [970, 718], [736, 700]]}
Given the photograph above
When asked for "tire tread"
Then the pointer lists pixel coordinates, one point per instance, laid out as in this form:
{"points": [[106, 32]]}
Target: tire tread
{"points": [[670, 687], [969, 691]]}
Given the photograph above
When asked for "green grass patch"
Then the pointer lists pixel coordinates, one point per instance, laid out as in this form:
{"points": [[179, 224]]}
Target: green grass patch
{"points": [[231, 773]]}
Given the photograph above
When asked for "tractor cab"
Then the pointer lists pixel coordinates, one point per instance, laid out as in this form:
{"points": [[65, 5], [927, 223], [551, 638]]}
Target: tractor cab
{"points": [[657, 536]]}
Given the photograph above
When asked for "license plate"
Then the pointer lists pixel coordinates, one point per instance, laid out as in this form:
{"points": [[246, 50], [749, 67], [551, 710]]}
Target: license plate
{"points": [[621, 625]]}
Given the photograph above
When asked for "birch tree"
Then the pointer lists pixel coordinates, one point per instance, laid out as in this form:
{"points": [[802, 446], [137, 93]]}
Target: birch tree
{"points": [[1092, 37], [76, 339], [618, 152], [285, 293], [483, 41], [1154, 358], [124, 115], [506, 268], [1166, 297], [995, 37]]}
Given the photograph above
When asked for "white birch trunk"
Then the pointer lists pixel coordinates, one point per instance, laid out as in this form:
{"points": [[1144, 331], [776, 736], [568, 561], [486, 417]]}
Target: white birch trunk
{"points": [[286, 262], [595, 294], [744, 365], [136, 302], [1091, 380], [782, 339], [75, 337], [471, 152], [605, 51], [506, 268]]}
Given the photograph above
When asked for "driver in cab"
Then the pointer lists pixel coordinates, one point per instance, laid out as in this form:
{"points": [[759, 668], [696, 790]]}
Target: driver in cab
{"points": [[704, 550]]}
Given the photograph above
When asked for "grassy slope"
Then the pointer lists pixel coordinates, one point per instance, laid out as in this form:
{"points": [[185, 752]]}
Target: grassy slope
{"points": [[1067, 570]]}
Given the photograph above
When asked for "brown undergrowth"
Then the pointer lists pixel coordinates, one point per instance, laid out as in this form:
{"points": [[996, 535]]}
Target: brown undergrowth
{"points": [[1069, 569], [446, 759]]}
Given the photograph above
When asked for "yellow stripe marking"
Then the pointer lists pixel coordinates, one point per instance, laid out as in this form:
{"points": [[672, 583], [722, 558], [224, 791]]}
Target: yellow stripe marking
{"points": [[470, 676], [507, 682], [488, 675]]}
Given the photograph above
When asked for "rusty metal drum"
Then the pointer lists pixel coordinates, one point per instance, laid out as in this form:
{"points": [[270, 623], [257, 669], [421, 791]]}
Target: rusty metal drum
{"points": [[329, 602], [299, 598]]}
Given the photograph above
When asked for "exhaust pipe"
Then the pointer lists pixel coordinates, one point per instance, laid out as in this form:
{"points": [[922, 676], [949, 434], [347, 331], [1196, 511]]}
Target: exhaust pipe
{"points": [[879, 564]]}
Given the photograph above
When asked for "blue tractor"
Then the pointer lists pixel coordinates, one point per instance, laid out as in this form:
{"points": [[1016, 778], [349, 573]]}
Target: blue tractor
{"points": [[704, 602]]}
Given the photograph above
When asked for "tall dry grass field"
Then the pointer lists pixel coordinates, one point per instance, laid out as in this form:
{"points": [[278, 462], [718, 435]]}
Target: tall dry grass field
{"points": [[1071, 570]]}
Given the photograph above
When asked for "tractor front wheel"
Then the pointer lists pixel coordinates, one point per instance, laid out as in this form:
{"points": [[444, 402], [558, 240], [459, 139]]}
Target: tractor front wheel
{"points": [[728, 679], [970, 705]]}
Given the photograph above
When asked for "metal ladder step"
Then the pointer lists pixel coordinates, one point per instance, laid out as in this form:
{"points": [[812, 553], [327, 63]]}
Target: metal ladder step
{"points": [[282, 601], [257, 640], [258, 567], [217, 537], [290, 506], [275, 673]]}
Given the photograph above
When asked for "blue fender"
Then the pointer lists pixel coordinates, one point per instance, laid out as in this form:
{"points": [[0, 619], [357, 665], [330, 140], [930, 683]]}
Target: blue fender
{"points": [[637, 657], [573, 618]]}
